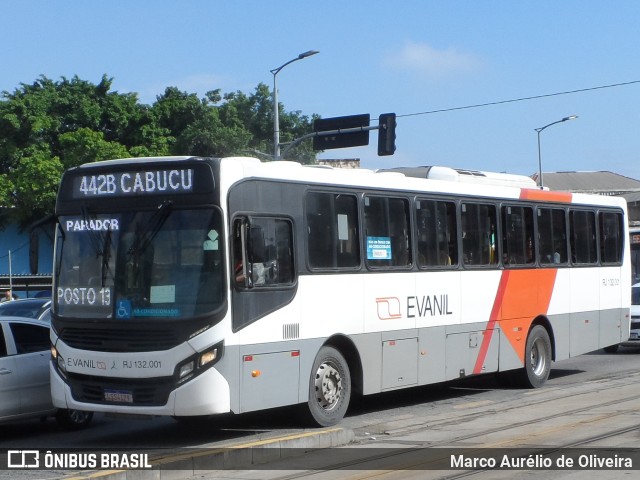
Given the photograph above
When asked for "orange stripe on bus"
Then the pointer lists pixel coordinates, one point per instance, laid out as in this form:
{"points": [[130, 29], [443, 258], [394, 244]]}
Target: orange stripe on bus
{"points": [[545, 195], [522, 296], [495, 312]]}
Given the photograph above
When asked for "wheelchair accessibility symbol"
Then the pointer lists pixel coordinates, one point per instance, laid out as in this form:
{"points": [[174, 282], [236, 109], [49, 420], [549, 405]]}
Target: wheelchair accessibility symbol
{"points": [[123, 309]]}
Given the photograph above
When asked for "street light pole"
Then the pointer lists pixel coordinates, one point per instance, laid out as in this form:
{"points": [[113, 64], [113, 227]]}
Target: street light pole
{"points": [[538, 130], [276, 113]]}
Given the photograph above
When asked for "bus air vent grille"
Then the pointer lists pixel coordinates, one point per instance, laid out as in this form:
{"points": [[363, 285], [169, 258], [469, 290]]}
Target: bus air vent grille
{"points": [[120, 339], [143, 391], [290, 331]]}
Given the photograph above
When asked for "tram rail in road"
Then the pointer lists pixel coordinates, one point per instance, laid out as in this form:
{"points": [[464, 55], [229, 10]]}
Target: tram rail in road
{"points": [[589, 403]]}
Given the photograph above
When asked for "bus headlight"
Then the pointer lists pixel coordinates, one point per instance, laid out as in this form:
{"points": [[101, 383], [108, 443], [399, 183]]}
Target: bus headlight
{"points": [[59, 361], [186, 369], [196, 364], [208, 357]]}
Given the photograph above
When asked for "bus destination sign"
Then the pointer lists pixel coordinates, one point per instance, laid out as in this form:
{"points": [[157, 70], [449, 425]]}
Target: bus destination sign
{"points": [[147, 182]]}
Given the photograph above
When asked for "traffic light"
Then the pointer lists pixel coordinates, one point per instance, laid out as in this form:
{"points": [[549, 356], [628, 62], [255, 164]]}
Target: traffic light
{"points": [[341, 140], [387, 134]]}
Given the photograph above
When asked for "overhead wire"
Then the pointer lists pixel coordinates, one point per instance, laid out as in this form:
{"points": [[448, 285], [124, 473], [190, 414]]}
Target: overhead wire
{"points": [[521, 99]]}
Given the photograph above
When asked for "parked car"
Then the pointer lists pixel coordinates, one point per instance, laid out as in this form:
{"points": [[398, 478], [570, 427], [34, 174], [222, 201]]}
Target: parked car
{"points": [[634, 337], [27, 307], [634, 333], [24, 374]]}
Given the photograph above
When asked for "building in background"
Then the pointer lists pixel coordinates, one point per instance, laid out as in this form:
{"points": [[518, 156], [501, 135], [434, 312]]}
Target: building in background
{"points": [[15, 268], [600, 183]]}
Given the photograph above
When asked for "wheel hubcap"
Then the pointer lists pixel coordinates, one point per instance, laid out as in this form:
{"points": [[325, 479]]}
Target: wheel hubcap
{"points": [[78, 416], [538, 358], [328, 385]]}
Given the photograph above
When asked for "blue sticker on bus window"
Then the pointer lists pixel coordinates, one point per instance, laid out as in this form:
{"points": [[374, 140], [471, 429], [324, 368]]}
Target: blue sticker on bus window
{"points": [[378, 248], [123, 309]]}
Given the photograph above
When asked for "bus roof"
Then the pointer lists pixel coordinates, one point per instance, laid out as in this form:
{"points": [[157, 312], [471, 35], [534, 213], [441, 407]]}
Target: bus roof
{"points": [[465, 176], [438, 179]]}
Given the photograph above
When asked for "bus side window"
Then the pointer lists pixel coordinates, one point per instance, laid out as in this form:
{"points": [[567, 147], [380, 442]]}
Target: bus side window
{"points": [[387, 231], [552, 236], [437, 233], [583, 237], [479, 234], [332, 230], [611, 234], [517, 229], [263, 252]]}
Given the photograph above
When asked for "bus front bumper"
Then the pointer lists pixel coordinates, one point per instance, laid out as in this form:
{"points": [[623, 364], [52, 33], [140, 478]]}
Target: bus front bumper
{"points": [[207, 394]]}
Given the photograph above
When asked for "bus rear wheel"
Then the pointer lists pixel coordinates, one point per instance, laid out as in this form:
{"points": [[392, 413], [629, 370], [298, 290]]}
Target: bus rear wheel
{"points": [[537, 358], [329, 387]]}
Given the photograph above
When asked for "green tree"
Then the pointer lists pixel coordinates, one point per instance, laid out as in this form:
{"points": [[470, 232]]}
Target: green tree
{"points": [[48, 126], [35, 184], [175, 110], [255, 111], [209, 136], [200, 126], [85, 145]]}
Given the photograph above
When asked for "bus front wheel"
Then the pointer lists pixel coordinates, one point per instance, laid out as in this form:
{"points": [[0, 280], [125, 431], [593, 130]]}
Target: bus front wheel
{"points": [[537, 358], [73, 419], [329, 387]]}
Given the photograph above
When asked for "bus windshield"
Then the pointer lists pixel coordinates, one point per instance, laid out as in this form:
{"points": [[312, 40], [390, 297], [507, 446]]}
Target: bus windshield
{"points": [[164, 263]]}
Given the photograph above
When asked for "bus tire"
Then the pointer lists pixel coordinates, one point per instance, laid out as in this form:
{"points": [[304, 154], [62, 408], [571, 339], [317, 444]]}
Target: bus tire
{"points": [[537, 358], [73, 419], [329, 387], [192, 421]]}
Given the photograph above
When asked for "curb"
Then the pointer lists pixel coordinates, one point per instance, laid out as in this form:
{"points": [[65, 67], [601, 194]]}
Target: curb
{"points": [[230, 457]]}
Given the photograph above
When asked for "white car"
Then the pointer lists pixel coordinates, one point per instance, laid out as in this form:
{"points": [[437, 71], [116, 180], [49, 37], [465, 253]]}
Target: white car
{"points": [[25, 392], [634, 337], [27, 307]]}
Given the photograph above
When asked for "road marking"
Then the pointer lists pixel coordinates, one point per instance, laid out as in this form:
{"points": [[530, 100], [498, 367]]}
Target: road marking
{"points": [[204, 452], [481, 403]]}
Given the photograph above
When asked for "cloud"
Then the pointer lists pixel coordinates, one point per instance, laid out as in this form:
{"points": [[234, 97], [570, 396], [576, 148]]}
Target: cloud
{"points": [[431, 62]]}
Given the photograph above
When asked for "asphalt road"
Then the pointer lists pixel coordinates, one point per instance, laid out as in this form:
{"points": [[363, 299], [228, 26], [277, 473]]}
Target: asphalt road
{"points": [[473, 412]]}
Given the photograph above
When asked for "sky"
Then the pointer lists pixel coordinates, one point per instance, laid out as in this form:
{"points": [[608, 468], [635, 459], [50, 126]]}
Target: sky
{"points": [[430, 62]]}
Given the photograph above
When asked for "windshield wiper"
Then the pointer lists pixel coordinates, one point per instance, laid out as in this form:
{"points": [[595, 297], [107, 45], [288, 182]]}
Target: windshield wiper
{"points": [[106, 255], [94, 238], [101, 243], [146, 235]]}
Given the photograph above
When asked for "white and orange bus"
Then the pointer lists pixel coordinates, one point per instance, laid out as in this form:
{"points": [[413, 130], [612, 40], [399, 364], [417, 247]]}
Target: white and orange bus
{"points": [[188, 286]]}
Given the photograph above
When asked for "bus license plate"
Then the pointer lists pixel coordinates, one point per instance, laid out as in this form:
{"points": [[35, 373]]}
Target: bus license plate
{"points": [[122, 396]]}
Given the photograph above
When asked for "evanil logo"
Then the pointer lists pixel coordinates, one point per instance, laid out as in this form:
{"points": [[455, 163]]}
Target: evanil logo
{"points": [[388, 308]]}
